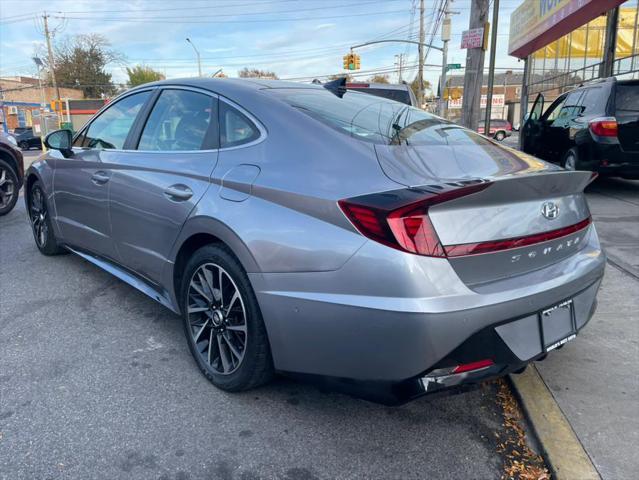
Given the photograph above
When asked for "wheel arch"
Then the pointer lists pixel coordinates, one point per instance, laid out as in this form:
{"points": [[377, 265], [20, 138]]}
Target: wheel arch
{"points": [[12, 161], [201, 231]]}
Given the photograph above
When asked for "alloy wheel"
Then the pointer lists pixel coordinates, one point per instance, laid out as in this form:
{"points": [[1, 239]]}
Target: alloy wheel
{"points": [[7, 188], [217, 318], [571, 162], [38, 215]]}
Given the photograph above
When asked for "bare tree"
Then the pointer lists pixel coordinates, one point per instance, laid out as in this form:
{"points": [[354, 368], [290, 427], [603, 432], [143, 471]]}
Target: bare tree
{"points": [[379, 79], [257, 73]]}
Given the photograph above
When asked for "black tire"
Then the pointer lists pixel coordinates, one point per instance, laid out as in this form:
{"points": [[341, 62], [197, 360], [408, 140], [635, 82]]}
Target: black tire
{"points": [[9, 190], [571, 160], [499, 136], [41, 224], [256, 365], [23, 145]]}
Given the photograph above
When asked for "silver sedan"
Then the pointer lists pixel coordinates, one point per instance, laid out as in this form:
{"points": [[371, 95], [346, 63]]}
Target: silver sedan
{"points": [[311, 230]]}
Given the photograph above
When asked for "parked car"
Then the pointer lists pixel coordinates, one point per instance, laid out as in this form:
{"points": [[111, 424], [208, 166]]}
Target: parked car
{"points": [[499, 129], [11, 172], [400, 92], [321, 232], [27, 140], [19, 130], [594, 127]]}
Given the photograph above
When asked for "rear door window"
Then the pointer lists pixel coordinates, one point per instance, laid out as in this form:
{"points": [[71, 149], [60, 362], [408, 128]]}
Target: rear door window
{"points": [[181, 120], [591, 101]]}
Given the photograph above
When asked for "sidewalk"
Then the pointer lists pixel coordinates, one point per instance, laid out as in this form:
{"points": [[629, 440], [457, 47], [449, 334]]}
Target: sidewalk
{"points": [[594, 379]]}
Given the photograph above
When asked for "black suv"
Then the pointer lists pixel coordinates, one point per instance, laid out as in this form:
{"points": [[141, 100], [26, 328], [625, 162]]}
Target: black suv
{"points": [[11, 172], [594, 127]]}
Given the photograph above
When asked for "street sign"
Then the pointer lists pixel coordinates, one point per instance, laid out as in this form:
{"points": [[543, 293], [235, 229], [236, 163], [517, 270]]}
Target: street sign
{"points": [[453, 66], [473, 38]]}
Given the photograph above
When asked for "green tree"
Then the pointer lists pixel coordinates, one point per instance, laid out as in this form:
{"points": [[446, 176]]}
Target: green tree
{"points": [[415, 86], [257, 73], [379, 79], [142, 74], [80, 62]]}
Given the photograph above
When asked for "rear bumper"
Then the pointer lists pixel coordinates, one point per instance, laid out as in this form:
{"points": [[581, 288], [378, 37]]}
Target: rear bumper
{"points": [[612, 160], [399, 316]]}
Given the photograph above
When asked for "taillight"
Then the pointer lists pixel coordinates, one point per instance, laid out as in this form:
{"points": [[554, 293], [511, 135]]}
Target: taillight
{"points": [[604, 127], [397, 220]]}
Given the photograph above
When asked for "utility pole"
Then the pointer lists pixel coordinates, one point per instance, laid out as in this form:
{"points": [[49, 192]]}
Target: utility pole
{"points": [[612, 23], [471, 105], [400, 64], [491, 68], [420, 50], [47, 35], [199, 64], [445, 38]]}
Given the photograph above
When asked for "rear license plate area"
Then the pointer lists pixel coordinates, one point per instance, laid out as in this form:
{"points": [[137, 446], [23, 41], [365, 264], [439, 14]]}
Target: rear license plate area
{"points": [[557, 325]]}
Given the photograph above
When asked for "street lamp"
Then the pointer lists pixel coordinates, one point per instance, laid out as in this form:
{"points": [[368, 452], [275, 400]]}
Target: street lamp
{"points": [[40, 65], [199, 64]]}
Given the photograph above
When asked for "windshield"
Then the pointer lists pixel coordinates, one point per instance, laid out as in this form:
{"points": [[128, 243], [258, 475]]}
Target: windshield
{"points": [[376, 119]]}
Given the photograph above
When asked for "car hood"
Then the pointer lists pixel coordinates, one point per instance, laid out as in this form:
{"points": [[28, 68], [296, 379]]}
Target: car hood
{"points": [[419, 165]]}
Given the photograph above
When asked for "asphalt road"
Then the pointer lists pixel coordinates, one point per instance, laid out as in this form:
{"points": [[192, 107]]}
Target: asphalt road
{"points": [[96, 381]]}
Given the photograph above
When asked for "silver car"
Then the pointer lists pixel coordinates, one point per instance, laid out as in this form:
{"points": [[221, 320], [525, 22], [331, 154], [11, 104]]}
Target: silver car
{"points": [[312, 230]]}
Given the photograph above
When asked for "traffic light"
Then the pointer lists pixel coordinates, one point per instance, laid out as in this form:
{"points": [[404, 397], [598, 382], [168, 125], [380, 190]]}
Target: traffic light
{"points": [[56, 105], [347, 61], [351, 61]]}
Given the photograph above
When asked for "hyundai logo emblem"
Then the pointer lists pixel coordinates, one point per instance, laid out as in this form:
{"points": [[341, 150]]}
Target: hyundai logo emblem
{"points": [[550, 210]]}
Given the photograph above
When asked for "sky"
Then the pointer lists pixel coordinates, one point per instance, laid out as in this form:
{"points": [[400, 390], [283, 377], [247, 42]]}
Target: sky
{"points": [[297, 39]]}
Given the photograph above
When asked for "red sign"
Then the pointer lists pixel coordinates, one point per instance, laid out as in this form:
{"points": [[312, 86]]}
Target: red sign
{"points": [[473, 38]]}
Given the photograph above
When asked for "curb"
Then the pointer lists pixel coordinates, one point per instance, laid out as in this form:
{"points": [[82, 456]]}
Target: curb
{"points": [[562, 449]]}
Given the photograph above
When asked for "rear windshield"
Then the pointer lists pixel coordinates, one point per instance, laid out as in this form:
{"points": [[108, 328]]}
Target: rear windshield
{"points": [[398, 95], [377, 120], [627, 99]]}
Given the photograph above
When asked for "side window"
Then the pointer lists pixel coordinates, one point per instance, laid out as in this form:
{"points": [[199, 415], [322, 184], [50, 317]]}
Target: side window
{"points": [[590, 101], [235, 127], [553, 111], [570, 109], [79, 140], [110, 129], [181, 120]]}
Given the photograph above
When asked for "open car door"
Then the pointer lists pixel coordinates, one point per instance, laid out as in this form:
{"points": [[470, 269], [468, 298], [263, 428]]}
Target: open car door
{"points": [[531, 128]]}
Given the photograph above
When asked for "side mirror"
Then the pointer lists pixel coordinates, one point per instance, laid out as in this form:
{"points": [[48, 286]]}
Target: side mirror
{"points": [[60, 140]]}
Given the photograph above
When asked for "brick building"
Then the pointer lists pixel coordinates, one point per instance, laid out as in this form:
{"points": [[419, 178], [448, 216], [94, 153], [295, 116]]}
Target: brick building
{"points": [[19, 96]]}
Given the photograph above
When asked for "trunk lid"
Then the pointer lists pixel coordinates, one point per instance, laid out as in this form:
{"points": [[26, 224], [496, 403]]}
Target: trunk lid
{"points": [[531, 215]]}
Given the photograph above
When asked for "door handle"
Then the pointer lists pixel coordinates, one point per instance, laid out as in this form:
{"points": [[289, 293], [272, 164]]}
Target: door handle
{"points": [[178, 192], [100, 178]]}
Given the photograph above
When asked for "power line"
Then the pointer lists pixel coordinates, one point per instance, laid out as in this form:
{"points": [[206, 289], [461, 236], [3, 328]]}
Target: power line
{"points": [[217, 7], [176, 19]]}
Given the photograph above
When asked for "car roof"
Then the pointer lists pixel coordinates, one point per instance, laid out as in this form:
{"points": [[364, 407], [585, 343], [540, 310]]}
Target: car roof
{"points": [[229, 86]]}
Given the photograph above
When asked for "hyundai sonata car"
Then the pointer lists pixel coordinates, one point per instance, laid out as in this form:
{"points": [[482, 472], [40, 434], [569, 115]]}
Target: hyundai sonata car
{"points": [[332, 234]]}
